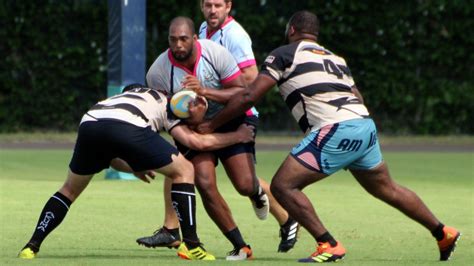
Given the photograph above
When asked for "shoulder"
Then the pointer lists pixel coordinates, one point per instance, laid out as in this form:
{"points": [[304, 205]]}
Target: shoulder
{"points": [[283, 53], [161, 60], [202, 30], [210, 47], [235, 31]]}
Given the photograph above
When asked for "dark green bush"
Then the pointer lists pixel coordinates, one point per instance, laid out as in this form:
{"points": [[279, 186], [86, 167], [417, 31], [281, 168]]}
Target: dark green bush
{"points": [[410, 59]]}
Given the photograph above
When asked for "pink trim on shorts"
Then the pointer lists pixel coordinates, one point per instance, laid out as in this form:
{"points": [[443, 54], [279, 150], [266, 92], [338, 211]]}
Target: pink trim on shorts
{"points": [[310, 160], [248, 63], [323, 132]]}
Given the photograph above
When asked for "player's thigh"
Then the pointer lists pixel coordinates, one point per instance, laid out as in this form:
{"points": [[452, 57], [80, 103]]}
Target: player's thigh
{"points": [[180, 170], [375, 180], [205, 170], [293, 175], [92, 151], [240, 169]]}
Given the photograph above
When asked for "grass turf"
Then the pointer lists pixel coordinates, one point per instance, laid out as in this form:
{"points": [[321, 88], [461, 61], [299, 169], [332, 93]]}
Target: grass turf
{"points": [[101, 227]]}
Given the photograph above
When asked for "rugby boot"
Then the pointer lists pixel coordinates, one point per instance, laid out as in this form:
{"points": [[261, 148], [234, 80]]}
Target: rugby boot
{"points": [[244, 253], [197, 253], [160, 238], [261, 204], [448, 243], [288, 234], [325, 253]]}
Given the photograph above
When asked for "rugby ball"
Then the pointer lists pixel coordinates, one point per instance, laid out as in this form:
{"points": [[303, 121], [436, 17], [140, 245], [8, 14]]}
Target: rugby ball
{"points": [[179, 103]]}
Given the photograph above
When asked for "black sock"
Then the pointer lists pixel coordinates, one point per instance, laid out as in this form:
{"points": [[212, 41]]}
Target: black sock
{"points": [[288, 222], [183, 197], [438, 232], [256, 194], [327, 237], [174, 232], [51, 216], [235, 238]]}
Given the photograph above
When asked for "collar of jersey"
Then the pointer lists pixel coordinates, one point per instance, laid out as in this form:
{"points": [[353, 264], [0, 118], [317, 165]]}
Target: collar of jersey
{"points": [[198, 58], [227, 21]]}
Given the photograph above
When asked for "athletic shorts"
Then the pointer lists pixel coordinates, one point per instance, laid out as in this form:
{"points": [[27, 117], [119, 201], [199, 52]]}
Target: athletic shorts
{"points": [[98, 142], [351, 144], [229, 151]]}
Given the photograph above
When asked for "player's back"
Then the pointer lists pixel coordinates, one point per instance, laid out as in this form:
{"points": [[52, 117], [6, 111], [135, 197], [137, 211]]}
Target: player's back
{"points": [[315, 84]]}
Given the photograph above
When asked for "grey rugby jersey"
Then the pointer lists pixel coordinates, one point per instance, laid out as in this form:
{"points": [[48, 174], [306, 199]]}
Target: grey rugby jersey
{"points": [[315, 84], [214, 67], [141, 107]]}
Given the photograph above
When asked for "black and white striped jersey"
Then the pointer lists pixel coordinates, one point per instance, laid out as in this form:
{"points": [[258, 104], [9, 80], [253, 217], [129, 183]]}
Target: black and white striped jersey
{"points": [[141, 107], [315, 84]]}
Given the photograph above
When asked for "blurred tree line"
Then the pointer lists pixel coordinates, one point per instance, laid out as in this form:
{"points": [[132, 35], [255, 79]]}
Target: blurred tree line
{"points": [[410, 59]]}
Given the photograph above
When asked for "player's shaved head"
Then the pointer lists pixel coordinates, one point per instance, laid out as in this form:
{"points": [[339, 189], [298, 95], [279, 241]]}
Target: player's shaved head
{"points": [[305, 22], [180, 21]]}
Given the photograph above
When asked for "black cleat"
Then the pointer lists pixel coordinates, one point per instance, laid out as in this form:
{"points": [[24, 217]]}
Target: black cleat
{"points": [[161, 238], [288, 233]]}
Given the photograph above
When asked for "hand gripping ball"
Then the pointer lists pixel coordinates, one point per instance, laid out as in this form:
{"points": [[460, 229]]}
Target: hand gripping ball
{"points": [[179, 103]]}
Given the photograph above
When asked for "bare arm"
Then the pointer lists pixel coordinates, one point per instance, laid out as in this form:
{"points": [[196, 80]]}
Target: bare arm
{"points": [[214, 141], [230, 88], [240, 103], [250, 73]]}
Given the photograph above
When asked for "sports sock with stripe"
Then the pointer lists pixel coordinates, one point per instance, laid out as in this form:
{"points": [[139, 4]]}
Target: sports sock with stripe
{"points": [[183, 197], [51, 216]]}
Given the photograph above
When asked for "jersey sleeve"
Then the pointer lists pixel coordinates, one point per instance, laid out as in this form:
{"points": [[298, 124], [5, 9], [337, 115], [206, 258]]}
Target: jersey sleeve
{"points": [[277, 61], [156, 77], [240, 46], [202, 30], [225, 64]]}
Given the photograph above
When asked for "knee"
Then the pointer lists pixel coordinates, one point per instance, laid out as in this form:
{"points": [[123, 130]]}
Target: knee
{"points": [[205, 185], [246, 188], [277, 189]]}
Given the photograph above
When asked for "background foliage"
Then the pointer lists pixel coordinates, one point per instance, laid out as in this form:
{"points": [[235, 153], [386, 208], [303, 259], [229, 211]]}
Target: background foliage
{"points": [[411, 59]]}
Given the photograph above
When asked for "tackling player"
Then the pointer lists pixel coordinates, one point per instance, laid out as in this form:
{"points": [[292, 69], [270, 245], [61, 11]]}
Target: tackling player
{"points": [[125, 126], [319, 90]]}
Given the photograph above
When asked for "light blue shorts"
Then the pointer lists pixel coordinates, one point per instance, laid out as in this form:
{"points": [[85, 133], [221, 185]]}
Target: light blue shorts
{"points": [[351, 144]]}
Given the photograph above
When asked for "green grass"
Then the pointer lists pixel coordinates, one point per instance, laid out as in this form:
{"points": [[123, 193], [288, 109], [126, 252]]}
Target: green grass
{"points": [[263, 137], [101, 227]]}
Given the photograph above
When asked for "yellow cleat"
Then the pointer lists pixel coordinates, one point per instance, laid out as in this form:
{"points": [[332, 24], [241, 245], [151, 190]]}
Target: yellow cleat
{"points": [[198, 253], [27, 253]]}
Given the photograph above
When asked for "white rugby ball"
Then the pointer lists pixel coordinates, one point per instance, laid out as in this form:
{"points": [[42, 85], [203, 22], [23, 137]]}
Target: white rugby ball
{"points": [[179, 103]]}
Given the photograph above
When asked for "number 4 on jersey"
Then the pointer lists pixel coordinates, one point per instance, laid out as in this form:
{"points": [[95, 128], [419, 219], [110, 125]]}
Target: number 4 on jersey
{"points": [[332, 68]]}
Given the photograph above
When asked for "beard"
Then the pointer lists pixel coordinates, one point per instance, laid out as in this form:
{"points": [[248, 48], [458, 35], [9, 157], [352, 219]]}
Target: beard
{"points": [[220, 21], [182, 56]]}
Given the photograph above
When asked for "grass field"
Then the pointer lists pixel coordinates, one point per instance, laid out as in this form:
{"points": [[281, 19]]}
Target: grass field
{"points": [[101, 227]]}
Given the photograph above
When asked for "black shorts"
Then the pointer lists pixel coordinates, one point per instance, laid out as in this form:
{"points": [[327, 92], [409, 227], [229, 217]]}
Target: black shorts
{"points": [[229, 151], [101, 141]]}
